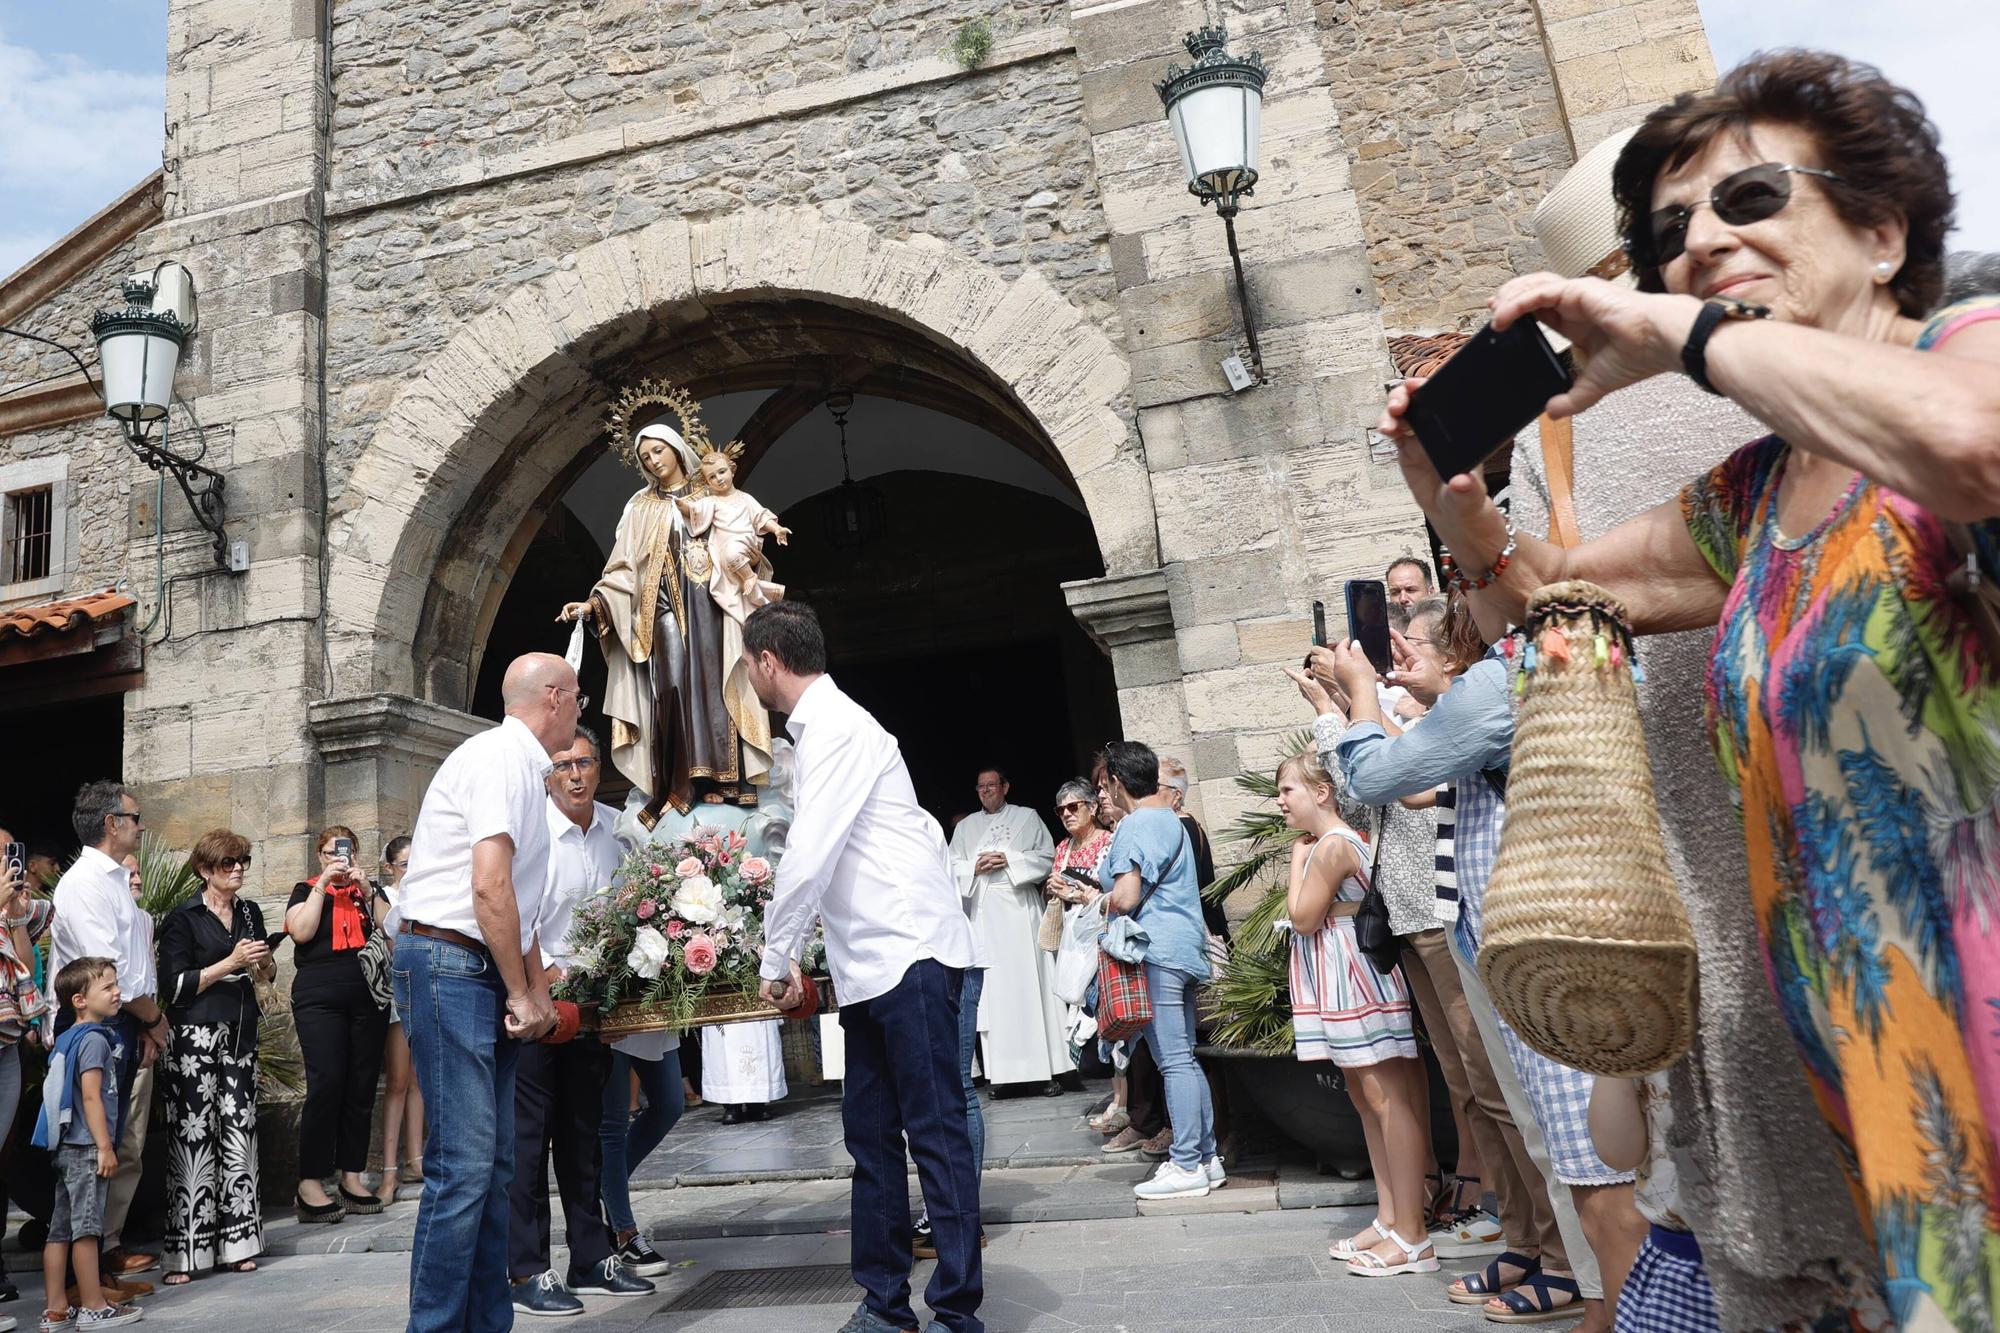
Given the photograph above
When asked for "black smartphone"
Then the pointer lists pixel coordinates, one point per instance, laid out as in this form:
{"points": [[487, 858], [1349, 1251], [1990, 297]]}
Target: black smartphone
{"points": [[1319, 630], [15, 854], [1480, 399], [1368, 621], [1083, 877], [344, 847], [273, 940]]}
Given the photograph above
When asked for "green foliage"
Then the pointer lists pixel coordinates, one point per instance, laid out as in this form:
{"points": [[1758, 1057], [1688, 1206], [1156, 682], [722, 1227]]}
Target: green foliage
{"points": [[971, 44], [1250, 1001], [281, 1065], [166, 878]]}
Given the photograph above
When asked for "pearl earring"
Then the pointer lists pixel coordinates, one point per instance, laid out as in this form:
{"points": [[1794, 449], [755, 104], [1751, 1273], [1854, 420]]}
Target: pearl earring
{"points": [[1884, 269]]}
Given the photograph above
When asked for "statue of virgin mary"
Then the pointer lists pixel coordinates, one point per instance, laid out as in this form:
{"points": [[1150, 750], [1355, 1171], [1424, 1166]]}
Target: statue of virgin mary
{"points": [[685, 726]]}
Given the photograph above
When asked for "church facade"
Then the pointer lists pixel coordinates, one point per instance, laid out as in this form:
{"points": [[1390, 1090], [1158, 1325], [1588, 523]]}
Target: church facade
{"points": [[435, 239]]}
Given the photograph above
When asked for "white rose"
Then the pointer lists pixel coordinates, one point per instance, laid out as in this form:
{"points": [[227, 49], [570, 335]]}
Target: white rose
{"points": [[732, 918], [649, 953], [697, 900]]}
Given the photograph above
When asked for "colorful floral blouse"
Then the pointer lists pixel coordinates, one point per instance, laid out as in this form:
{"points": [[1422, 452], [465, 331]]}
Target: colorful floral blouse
{"points": [[1851, 704]]}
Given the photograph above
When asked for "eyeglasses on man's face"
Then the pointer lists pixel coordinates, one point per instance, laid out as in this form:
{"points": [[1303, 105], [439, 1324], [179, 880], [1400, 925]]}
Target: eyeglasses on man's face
{"points": [[578, 766], [132, 815], [582, 699]]}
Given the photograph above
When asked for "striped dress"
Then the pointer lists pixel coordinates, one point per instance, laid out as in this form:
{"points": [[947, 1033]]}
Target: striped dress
{"points": [[1343, 1010]]}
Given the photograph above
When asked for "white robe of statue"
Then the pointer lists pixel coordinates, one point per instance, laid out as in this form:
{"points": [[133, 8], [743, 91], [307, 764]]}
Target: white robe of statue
{"points": [[1020, 1019], [742, 1063]]}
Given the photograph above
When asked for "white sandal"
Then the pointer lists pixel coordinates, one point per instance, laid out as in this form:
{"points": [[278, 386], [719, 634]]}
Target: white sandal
{"points": [[1367, 1263], [1344, 1249]]}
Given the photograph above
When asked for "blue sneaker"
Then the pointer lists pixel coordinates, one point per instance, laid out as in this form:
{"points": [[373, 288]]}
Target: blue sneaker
{"points": [[545, 1296], [610, 1279], [864, 1320]]}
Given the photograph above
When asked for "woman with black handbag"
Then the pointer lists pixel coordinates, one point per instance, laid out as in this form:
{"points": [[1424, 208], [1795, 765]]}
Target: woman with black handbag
{"points": [[1348, 1010]]}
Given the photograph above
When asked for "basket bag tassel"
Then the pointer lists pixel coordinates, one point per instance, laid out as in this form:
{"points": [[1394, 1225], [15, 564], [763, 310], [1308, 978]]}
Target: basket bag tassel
{"points": [[1587, 950]]}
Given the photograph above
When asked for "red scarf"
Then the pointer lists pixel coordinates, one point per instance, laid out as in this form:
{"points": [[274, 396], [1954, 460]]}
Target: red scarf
{"points": [[346, 901]]}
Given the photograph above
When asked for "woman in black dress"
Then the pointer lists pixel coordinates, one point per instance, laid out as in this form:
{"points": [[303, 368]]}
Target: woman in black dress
{"points": [[212, 952], [341, 1030]]}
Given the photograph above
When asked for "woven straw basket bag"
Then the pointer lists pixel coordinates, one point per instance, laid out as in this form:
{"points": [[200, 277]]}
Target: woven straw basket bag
{"points": [[1587, 950]]}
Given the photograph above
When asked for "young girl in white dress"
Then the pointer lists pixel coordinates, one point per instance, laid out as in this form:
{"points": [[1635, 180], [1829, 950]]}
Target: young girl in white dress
{"points": [[1345, 1011]]}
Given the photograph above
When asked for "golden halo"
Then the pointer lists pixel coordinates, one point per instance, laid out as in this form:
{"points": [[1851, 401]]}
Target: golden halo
{"points": [[630, 414]]}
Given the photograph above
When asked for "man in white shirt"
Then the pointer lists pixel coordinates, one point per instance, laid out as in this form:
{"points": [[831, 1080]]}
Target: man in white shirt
{"points": [[97, 917], [871, 864], [1001, 855], [559, 1089], [470, 986]]}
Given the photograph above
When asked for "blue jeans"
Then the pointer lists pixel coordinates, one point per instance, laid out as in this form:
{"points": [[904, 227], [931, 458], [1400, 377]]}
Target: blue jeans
{"points": [[903, 1080], [453, 1005], [968, 1038], [1171, 1035], [627, 1140]]}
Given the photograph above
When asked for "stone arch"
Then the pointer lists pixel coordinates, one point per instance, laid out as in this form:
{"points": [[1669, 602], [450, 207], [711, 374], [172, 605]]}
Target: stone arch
{"points": [[429, 458]]}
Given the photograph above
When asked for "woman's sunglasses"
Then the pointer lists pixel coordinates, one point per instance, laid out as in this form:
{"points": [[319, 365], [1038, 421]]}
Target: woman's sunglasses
{"points": [[1068, 806], [229, 863], [1746, 196]]}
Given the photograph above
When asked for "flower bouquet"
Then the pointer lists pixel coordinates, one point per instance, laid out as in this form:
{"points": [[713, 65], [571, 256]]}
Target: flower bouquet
{"points": [[675, 940]]}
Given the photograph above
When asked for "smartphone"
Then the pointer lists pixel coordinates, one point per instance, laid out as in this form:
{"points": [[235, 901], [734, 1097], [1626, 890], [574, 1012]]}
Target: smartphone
{"points": [[1480, 399], [273, 940], [15, 854], [1083, 877], [344, 848], [1368, 621], [1319, 630]]}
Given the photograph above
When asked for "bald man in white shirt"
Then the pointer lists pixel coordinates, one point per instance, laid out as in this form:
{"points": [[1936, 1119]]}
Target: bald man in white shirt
{"points": [[470, 986], [871, 864]]}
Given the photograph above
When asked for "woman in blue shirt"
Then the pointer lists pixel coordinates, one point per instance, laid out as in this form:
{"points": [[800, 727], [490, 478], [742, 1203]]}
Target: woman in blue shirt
{"points": [[1153, 880]]}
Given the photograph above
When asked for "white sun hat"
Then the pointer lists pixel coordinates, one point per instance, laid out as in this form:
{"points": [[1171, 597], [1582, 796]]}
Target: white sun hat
{"points": [[1577, 220]]}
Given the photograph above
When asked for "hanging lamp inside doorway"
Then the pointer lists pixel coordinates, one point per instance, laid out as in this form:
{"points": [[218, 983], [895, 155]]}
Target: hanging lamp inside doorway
{"points": [[859, 514]]}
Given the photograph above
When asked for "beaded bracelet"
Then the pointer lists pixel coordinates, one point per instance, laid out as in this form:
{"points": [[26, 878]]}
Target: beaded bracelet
{"points": [[1454, 579]]}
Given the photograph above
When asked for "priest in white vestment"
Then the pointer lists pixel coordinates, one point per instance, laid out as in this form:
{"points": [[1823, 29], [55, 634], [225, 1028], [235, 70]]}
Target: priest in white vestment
{"points": [[1001, 854]]}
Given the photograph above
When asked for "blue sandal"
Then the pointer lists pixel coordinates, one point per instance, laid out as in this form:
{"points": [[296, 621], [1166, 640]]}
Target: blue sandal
{"points": [[1484, 1285], [1540, 1306]]}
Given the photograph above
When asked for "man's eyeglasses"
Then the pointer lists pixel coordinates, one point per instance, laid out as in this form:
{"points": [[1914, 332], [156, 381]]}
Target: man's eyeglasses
{"points": [[1743, 197], [229, 863], [578, 766], [132, 815], [582, 699]]}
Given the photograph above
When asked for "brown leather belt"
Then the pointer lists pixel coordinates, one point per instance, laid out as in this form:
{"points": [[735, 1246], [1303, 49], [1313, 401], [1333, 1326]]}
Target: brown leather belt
{"points": [[450, 936]]}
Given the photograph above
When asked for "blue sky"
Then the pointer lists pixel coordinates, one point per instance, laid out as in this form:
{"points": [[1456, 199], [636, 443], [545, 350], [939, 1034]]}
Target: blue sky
{"points": [[83, 93]]}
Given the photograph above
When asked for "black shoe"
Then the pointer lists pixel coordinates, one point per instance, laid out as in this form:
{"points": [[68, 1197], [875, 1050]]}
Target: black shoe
{"points": [[636, 1256], [1054, 1089], [732, 1114], [610, 1279], [361, 1205], [545, 1296], [923, 1242], [757, 1111], [318, 1212], [8, 1291]]}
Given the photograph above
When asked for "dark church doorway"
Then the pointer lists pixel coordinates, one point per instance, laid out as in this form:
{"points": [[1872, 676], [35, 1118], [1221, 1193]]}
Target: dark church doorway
{"points": [[63, 745], [950, 625]]}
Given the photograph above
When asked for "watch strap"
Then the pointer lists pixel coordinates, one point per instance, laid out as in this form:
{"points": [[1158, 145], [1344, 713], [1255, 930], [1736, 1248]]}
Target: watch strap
{"points": [[1694, 352]]}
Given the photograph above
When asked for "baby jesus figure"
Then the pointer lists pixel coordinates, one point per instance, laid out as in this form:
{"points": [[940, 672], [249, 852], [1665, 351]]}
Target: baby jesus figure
{"points": [[734, 523]]}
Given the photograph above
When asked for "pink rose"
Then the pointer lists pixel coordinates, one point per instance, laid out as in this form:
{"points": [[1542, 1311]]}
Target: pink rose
{"points": [[676, 929], [647, 908], [723, 859], [689, 866], [756, 869], [699, 955], [657, 870]]}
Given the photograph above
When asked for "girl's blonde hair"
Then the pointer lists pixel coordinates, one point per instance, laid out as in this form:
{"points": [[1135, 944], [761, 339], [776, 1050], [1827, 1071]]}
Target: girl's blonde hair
{"points": [[1306, 767]]}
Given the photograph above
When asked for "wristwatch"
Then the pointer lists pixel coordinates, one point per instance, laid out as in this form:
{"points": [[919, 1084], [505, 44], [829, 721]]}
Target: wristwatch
{"points": [[1694, 352]]}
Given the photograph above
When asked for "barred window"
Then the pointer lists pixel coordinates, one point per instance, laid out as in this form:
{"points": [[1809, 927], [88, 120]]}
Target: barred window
{"points": [[30, 529]]}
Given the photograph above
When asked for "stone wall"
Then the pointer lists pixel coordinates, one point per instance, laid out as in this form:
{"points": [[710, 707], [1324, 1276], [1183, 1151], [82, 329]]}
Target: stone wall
{"points": [[1453, 118], [65, 316], [994, 163], [1615, 60]]}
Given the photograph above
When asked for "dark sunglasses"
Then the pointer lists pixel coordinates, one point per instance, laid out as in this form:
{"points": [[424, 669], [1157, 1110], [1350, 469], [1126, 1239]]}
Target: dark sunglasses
{"points": [[1746, 196], [228, 863], [1068, 806]]}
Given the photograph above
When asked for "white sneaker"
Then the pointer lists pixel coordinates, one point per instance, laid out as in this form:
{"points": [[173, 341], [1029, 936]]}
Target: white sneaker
{"points": [[1467, 1234], [1213, 1169], [1173, 1182]]}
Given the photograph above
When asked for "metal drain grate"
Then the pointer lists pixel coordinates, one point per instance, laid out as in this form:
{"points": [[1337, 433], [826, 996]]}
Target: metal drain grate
{"points": [[743, 1288]]}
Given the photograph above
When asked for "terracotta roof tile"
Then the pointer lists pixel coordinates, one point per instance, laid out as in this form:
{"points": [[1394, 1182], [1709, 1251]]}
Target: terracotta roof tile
{"points": [[56, 617], [1421, 354]]}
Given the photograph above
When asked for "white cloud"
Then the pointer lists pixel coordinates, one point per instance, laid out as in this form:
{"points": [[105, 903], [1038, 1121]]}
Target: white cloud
{"points": [[77, 137]]}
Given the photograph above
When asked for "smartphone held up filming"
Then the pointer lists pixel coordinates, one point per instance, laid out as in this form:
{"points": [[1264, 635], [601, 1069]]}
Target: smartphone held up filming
{"points": [[1480, 399], [1368, 621]]}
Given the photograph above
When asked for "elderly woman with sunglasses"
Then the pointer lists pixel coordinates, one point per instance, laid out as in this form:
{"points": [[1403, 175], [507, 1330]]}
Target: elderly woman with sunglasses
{"points": [[1788, 232], [212, 952]]}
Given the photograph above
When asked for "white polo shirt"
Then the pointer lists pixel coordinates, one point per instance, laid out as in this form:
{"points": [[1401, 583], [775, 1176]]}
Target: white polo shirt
{"points": [[492, 784], [96, 918], [581, 861]]}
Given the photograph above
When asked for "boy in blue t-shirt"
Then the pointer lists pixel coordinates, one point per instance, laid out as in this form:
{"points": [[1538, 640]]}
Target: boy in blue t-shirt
{"points": [[79, 1123]]}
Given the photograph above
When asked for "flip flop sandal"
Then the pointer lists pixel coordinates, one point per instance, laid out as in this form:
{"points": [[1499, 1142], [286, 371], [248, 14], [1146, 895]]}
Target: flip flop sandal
{"points": [[1368, 1263], [1344, 1249], [1533, 1302], [1486, 1284]]}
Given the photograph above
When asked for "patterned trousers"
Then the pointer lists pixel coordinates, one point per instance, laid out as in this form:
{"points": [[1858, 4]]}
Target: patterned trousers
{"points": [[213, 1215]]}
